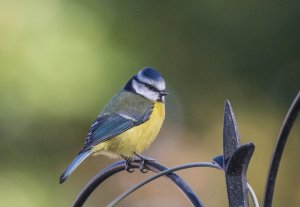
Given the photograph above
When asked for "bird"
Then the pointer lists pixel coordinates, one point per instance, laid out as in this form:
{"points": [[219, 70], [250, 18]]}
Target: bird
{"points": [[129, 123]]}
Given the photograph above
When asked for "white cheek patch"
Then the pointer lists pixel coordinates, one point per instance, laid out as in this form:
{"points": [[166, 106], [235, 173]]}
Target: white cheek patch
{"points": [[144, 91], [160, 84]]}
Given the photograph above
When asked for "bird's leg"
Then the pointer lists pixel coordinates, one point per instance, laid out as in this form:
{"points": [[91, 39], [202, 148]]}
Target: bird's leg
{"points": [[143, 159], [128, 166]]}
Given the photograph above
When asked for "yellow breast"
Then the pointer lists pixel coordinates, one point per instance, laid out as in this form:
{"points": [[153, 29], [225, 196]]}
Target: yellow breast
{"points": [[136, 139]]}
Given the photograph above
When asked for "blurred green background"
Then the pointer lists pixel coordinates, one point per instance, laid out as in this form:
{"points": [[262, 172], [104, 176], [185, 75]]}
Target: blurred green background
{"points": [[62, 60]]}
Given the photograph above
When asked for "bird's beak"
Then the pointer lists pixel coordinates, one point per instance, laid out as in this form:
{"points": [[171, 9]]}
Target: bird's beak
{"points": [[164, 93]]}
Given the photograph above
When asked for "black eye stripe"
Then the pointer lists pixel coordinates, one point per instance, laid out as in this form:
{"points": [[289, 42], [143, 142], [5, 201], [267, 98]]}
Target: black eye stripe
{"points": [[152, 88]]}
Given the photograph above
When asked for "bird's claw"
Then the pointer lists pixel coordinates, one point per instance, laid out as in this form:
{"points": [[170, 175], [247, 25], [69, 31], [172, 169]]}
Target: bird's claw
{"points": [[128, 167], [143, 160], [143, 169], [142, 157]]}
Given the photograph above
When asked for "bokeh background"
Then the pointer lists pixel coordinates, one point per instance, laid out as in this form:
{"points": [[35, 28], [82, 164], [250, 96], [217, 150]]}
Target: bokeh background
{"points": [[62, 60]]}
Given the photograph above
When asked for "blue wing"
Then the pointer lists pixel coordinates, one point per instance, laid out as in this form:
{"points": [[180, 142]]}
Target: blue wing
{"points": [[110, 125], [124, 111]]}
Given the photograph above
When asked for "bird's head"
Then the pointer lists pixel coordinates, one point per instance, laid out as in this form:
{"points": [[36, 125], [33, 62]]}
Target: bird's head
{"points": [[149, 84]]}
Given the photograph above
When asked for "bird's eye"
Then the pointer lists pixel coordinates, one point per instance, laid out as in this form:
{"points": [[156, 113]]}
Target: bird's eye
{"points": [[151, 88]]}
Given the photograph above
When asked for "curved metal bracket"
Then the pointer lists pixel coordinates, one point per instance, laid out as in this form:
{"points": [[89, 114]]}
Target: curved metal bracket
{"points": [[120, 166], [235, 173], [279, 148]]}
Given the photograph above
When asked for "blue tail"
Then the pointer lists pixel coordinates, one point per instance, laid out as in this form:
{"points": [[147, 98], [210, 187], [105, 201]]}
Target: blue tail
{"points": [[80, 157]]}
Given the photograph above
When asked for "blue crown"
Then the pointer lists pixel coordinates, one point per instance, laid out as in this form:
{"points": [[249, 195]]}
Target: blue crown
{"points": [[151, 73]]}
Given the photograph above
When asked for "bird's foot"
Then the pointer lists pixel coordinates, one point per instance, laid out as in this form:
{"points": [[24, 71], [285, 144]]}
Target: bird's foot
{"points": [[128, 167], [143, 160]]}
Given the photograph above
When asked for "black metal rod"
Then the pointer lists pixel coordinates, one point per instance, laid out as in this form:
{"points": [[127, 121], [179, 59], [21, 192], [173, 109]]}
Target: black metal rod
{"points": [[95, 181], [120, 166], [160, 174], [279, 148]]}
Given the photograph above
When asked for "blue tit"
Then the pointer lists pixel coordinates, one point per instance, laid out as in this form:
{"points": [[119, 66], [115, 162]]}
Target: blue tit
{"points": [[129, 123]]}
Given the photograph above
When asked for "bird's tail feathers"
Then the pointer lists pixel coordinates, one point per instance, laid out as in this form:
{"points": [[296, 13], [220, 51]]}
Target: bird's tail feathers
{"points": [[78, 159]]}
